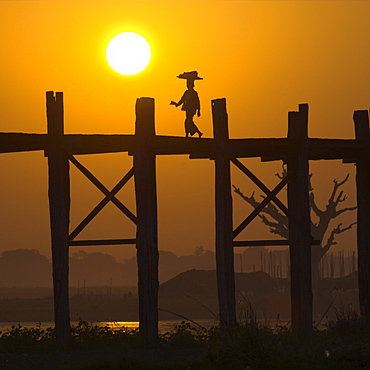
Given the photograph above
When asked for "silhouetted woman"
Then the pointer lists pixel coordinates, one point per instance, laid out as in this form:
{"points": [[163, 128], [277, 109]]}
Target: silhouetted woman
{"points": [[190, 103]]}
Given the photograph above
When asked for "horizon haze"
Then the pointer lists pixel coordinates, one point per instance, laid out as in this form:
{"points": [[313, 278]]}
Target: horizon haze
{"points": [[264, 57]]}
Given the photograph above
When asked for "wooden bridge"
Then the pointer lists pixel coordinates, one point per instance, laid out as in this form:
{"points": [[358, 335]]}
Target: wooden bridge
{"points": [[296, 150]]}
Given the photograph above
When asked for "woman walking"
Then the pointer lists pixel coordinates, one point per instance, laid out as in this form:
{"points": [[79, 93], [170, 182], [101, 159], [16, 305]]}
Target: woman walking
{"points": [[190, 103]]}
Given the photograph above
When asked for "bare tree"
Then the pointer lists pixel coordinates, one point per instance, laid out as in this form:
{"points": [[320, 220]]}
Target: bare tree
{"points": [[278, 222]]}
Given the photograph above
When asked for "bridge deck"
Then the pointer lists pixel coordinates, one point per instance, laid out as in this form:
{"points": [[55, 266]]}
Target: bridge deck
{"points": [[266, 148]]}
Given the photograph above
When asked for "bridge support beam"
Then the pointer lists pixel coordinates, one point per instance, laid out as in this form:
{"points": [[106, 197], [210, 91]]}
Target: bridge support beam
{"points": [[299, 221], [59, 205], [224, 218], [146, 212], [361, 120]]}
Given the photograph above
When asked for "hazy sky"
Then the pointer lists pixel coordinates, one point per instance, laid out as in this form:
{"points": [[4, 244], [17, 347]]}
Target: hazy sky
{"points": [[264, 57]]}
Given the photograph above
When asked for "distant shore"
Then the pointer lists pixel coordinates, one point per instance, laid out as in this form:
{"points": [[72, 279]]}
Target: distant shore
{"points": [[192, 294]]}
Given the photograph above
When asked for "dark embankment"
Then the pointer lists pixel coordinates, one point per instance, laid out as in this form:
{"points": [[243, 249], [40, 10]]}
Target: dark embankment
{"points": [[191, 294]]}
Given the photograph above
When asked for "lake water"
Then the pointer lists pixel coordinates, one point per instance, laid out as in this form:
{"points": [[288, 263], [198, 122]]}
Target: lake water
{"points": [[163, 326]]}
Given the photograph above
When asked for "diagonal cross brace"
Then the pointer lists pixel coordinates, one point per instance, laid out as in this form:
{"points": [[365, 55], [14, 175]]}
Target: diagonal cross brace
{"points": [[109, 196], [262, 205], [260, 184]]}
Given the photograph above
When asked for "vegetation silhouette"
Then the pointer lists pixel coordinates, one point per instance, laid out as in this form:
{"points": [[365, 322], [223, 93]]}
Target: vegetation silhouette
{"points": [[278, 222], [24, 268], [343, 344]]}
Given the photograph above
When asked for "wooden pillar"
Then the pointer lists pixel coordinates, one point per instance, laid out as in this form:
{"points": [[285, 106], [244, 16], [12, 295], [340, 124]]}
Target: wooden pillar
{"points": [[146, 208], [299, 221], [224, 217], [361, 120], [59, 205]]}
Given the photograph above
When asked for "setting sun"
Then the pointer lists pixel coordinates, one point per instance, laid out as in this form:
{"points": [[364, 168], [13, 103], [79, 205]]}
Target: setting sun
{"points": [[128, 53], [155, 151]]}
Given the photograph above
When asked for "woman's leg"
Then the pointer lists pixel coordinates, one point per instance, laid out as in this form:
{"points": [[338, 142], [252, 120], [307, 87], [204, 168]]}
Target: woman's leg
{"points": [[190, 127]]}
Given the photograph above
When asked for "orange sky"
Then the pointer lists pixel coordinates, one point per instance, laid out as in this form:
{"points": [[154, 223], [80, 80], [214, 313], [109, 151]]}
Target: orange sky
{"points": [[264, 57]]}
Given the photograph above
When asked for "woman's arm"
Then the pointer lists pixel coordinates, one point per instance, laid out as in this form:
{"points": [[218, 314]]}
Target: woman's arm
{"points": [[182, 100]]}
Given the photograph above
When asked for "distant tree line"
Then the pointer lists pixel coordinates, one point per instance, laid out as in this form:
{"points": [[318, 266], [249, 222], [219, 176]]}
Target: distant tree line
{"points": [[24, 268], [28, 268]]}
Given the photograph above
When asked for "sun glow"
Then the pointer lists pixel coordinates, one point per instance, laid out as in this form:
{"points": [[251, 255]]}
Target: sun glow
{"points": [[128, 53]]}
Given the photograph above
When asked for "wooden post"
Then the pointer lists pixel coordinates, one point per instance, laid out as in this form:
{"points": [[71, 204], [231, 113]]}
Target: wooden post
{"points": [[146, 208], [361, 120], [59, 204], [299, 221], [224, 217]]}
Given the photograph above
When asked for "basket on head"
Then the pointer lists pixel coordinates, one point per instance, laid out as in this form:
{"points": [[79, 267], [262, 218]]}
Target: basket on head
{"points": [[193, 75]]}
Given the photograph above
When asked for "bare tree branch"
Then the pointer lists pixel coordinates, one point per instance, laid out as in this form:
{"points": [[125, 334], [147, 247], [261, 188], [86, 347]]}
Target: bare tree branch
{"points": [[341, 198], [277, 228], [335, 188], [274, 212], [331, 211], [346, 210], [283, 173], [310, 188], [343, 181], [251, 200], [314, 206], [331, 240], [280, 227]]}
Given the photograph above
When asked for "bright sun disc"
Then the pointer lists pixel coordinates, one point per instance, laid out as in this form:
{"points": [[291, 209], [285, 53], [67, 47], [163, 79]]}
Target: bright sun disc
{"points": [[128, 53]]}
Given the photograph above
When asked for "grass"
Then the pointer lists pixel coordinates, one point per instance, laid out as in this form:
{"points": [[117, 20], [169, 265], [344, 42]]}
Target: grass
{"points": [[343, 344]]}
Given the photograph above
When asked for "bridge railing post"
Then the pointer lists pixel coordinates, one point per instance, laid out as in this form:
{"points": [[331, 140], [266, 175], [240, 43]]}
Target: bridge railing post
{"points": [[224, 217], [299, 221], [361, 121], [146, 208], [59, 206]]}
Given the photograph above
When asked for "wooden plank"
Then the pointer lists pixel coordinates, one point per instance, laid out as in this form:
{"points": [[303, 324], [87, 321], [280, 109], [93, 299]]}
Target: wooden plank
{"points": [[147, 228], [260, 184], [299, 221], [81, 243], [12, 142], [59, 203], [109, 196], [361, 121], [259, 147], [332, 149], [224, 218], [171, 145], [262, 205], [268, 149], [102, 204], [77, 144]]}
